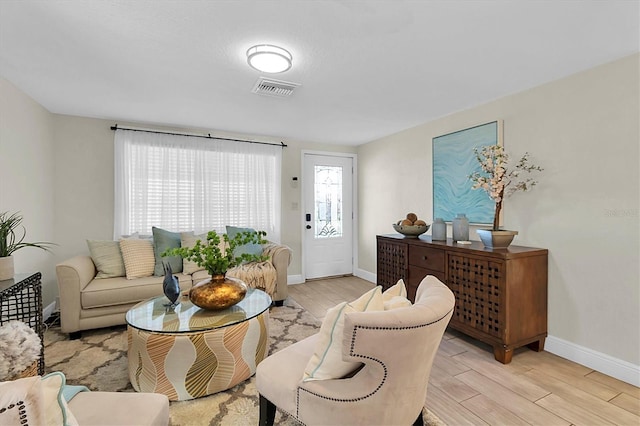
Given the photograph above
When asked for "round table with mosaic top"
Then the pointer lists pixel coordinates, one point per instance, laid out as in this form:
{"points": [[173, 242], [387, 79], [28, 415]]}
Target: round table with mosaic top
{"points": [[187, 352]]}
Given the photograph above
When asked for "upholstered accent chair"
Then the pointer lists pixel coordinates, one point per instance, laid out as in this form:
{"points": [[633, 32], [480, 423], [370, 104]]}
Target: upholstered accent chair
{"points": [[396, 348]]}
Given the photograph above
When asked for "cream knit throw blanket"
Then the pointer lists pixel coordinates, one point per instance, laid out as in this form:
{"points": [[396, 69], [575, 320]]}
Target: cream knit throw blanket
{"points": [[261, 275]]}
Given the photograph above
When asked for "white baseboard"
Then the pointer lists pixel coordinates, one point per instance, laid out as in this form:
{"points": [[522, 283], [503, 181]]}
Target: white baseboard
{"points": [[365, 275], [360, 273], [48, 310], [606, 364], [294, 279]]}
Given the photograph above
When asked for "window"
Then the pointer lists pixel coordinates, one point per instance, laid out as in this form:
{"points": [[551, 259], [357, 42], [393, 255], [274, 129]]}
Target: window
{"points": [[185, 183], [328, 199]]}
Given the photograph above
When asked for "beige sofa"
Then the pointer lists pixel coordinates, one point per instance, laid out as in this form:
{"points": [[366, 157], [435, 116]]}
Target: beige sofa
{"points": [[87, 303]]}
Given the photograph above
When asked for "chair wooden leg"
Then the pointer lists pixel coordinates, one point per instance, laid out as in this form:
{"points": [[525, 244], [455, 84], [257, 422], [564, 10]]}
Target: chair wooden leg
{"points": [[419, 421], [267, 412]]}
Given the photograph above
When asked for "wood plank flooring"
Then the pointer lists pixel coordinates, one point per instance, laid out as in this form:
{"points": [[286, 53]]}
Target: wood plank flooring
{"points": [[468, 387]]}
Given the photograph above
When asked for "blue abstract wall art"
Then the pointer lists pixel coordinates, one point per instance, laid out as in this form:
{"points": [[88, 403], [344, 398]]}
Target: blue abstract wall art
{"points": [[453, 161]]}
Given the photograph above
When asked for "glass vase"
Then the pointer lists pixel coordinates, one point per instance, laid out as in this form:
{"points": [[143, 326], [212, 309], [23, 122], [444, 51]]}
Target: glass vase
{"points": [[461, 228], [439, 230]]}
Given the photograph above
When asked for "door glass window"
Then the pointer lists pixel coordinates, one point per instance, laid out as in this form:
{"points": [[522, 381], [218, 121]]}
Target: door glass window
{"points": [[328, 201]]}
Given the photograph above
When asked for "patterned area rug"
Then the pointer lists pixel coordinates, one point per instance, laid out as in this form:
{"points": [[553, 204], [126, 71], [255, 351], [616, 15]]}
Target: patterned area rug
{"points": [[98, 360]]}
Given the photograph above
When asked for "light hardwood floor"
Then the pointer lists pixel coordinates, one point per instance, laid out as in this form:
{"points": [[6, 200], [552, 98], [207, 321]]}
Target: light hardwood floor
{"points": [[468, 387]]}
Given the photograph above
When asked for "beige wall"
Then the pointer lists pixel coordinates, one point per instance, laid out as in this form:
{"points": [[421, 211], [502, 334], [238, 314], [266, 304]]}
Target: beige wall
{"points": [[26, 178], [84, 183], [584, 130]]}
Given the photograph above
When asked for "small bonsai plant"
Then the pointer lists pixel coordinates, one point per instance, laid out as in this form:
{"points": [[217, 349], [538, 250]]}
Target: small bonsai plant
{"points": [[10, 240], [496, 178], [209, 256]]}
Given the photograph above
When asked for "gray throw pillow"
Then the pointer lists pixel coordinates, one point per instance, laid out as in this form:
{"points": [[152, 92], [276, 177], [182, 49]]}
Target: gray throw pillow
{"points": [[163, 240], [255, 249]]}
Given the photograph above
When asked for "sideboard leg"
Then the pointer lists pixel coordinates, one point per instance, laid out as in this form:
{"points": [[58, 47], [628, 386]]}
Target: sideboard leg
{"points": [[502, 354], [537, 346]]}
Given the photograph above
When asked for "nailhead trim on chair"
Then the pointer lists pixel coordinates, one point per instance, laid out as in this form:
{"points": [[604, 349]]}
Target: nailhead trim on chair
{"points": [[353, 339]]}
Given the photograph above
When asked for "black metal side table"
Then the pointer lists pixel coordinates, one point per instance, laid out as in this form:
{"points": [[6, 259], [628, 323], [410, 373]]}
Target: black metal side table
{"points": [[21, 299]]}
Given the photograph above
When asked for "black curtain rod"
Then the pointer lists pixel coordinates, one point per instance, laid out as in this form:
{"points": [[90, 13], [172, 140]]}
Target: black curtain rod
{"points": [[208, 136]]}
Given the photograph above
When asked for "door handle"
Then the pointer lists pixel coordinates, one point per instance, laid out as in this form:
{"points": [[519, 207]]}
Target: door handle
{"points": [[308, 226]]}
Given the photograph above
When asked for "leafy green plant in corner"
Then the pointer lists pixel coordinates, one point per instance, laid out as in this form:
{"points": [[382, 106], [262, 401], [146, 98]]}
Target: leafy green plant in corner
{"points": [[208, 254], [12, 238]]}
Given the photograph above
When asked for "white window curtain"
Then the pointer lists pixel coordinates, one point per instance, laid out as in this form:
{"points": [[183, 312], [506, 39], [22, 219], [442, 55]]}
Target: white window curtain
{"points": [[184, 183]]}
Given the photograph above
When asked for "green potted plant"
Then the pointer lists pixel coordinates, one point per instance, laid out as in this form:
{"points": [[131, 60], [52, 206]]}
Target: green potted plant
{"points": [[220, 292], [500, 181], [11, 241]]}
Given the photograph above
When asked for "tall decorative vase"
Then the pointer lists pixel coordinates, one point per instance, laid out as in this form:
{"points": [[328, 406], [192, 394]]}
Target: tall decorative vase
{"points": [[6, 268], [461, 228], [439, 230], [219, 292]]}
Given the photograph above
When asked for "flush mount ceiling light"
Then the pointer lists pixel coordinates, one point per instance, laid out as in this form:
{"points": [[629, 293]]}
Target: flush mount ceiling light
{"points": [[269, 58]]}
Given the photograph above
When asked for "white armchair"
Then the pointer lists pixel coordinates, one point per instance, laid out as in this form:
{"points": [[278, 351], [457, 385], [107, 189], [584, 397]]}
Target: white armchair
{"points": [[396, 347]]}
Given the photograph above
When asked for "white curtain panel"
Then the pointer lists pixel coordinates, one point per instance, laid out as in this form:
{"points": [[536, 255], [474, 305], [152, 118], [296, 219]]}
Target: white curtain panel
{"points": [[184, 183]]}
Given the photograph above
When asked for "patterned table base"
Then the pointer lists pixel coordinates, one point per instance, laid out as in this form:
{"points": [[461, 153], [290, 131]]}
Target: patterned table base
{"points": [[191, 365]]}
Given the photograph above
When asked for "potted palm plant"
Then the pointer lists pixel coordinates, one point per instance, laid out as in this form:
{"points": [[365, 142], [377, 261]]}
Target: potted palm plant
{"points": [[219, 291], [500, 181], [12, 234]]}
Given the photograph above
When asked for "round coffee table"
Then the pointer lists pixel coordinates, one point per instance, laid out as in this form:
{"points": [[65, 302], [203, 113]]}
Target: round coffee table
{"points": [[187, 352]]}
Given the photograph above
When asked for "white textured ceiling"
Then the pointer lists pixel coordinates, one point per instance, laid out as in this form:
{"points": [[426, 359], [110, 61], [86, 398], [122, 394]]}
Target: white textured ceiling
{"points": [[367, 68]]}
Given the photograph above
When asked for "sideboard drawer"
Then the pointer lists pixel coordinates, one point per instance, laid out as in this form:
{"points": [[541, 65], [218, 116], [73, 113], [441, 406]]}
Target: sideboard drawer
{"points": [[427, 258], [415, 277]]}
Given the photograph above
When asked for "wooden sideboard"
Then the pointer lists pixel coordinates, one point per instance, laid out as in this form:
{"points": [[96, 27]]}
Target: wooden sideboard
{"points": [[501, 294]]}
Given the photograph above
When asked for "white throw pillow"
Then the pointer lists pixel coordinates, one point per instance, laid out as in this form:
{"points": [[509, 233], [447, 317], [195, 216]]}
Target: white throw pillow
{"points": [[326, 362], [35, 401], [396, 296], [138, 256], [398, 289], [55, 406], [188, 239], [22, 400]]}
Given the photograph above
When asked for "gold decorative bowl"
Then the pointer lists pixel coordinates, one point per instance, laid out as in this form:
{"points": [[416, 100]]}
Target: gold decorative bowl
{"points": [[411, 231]]}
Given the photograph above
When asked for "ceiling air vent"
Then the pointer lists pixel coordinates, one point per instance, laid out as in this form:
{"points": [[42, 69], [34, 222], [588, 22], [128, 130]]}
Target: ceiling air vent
{"points": [[276, 88]]}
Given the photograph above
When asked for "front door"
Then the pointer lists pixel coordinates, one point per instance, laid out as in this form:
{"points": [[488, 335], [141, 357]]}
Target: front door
{"points": [[328, 215]]}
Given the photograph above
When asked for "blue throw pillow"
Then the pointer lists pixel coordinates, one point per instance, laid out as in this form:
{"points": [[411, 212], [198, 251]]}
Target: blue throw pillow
{"points": [[162, 240], [255, 249]]}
